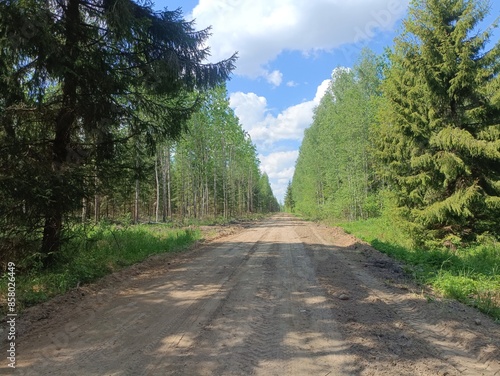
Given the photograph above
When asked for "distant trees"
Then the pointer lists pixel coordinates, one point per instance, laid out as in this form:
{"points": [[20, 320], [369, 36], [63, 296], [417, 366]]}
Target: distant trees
{"points": [[333, 175], [88, 91], [423, 124], [266, 202], [289, 201], [215, 169]]}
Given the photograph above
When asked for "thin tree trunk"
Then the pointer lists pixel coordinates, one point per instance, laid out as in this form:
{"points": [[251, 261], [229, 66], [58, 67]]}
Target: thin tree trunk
{"points": [[163, 166], [215, 192], [97, 208], [136, 202], [169, 183], [136, 198], [97, 198], [84, 210], [207, 194], [157, 178], [195, 199]]}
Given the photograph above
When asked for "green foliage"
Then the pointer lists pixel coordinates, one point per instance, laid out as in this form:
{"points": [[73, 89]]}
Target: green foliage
{"points": [[289, 201], [81, 83], [334, 173], [470, 275], [92, 253], [438, 133]]}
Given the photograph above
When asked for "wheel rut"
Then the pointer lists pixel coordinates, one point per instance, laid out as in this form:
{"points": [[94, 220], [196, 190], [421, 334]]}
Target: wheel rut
{"points": [[283, 297]]}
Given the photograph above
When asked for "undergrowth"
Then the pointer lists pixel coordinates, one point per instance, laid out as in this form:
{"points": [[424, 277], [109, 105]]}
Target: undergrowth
{"points": [[470, 274], [91, 253]]}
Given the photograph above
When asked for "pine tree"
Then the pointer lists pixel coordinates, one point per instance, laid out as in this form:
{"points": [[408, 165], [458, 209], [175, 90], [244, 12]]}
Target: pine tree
{"points": [[439, 136]]}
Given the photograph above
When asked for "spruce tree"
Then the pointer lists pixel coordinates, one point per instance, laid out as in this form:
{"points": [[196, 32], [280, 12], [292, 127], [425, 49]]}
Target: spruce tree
{"points": [[74, 74], [439, 135]]}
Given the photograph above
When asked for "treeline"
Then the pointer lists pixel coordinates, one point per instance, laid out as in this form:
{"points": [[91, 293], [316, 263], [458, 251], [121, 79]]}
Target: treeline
{"points": [[211, 171], [413, 134], [107, 110]]}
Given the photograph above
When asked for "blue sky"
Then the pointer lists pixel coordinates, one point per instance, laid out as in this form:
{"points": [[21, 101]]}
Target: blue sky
{"points": [[287, 51]]}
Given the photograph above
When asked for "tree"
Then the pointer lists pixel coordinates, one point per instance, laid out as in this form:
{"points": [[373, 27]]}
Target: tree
{"points": [[267, 203], [289, 201], [216, 170], [440, 123], [75, 75], [334, 174]]}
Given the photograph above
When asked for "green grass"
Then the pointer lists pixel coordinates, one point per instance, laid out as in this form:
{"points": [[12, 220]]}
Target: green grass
{"points": [[92, 253], [469, 274]]}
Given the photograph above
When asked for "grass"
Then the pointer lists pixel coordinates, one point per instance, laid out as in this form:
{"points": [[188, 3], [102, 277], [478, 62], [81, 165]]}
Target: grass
{"points": [[92, 253], [470, 274]]}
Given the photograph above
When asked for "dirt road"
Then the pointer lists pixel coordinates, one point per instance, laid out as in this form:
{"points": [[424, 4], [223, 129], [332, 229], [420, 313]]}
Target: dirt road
{"points": [[282, 297]]}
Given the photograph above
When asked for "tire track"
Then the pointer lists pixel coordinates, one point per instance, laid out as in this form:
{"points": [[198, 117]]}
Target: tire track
{"points": [[258, 339], [261, 303], [143, 326], [198, 315], [444, 341]]}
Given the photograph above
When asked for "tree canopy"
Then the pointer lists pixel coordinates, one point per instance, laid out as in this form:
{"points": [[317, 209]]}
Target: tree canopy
{"points": [[422, 123], [440, 123], [77, 79]]}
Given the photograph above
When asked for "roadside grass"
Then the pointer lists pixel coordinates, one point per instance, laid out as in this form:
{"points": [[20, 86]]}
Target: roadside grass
{"points": [[469, 274], [91, 253]]}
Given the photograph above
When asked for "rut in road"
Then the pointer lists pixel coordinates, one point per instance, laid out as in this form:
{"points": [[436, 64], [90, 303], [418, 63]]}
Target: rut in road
{"points": [[265, 301]]}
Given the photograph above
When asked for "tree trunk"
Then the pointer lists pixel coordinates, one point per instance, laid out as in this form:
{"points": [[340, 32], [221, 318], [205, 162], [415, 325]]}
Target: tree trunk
{"points": [[215, 192], [136, 202], [97, 208], [163, 166], [84, 210], [157, 178], [52, 231], [136, 196], [169, 183]]}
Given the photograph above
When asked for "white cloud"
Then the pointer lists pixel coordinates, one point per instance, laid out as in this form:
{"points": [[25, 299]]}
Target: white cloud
{"points": [[292, 84], [321, 91], [266, 130], [280, 167], [249, 107], [275, 78], [261, 29]]}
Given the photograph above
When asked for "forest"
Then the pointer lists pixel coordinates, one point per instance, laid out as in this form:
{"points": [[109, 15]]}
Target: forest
{"points": [[417, 128], [404, 151], [111, 119], [110, 114]]}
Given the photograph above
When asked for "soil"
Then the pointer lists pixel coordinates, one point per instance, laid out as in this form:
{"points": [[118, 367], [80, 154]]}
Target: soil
{"points": [[278, 297]]}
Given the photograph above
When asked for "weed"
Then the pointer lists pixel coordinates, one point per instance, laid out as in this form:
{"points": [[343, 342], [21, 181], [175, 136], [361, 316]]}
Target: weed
{"points": [[92, 252], [469, 274]]}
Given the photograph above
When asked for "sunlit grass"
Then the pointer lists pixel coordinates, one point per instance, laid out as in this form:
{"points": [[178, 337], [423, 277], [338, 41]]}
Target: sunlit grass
{"points": [[93, 252], [470, 274]]}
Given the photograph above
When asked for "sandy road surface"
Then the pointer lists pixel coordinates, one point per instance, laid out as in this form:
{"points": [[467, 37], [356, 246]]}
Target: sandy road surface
{"points": [[282, 297]]}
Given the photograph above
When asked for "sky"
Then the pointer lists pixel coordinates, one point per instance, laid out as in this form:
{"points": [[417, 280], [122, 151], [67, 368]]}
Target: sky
{"points": [[287, 51]]}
